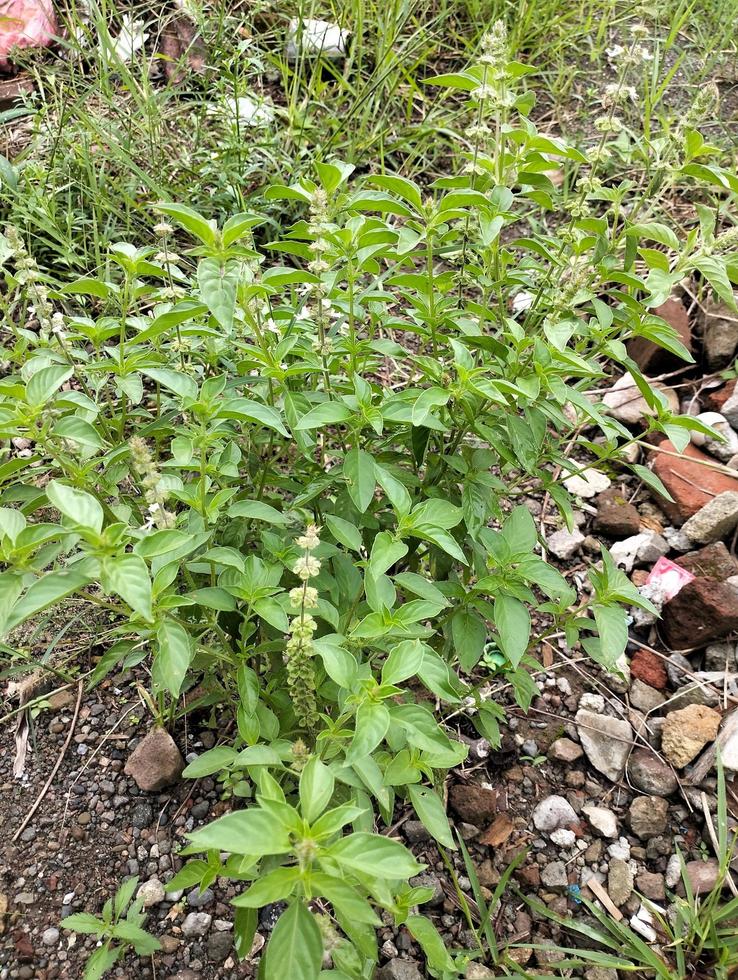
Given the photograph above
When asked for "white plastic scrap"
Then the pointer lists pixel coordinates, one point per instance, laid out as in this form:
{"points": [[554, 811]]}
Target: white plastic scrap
{"points": [[130, 39], [641, 923], [316, 37], [249, 112]]}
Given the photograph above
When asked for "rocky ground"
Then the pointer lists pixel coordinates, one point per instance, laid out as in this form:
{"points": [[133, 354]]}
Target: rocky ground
{"points": [[599, 782]]}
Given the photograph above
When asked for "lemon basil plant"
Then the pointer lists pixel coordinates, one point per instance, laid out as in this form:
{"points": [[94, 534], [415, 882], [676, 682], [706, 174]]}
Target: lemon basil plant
{"points": [[290, 471]]}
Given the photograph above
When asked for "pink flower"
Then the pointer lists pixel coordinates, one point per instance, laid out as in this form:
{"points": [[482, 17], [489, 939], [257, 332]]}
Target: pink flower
{"points": [[25, 24]]}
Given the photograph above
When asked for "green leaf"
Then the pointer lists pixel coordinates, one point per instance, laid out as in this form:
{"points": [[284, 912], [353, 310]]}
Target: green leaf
{"points": [[244, 929], [244, 409], [519, 531], [250, 831], [403, 661], [469, 634], [327, 413], [512, 621], [272, 887], [143, 943], [345, 899], [431, 942], [191, 221], [102, 960], [386, 550], [295, 950], [459, 80], [83, 922], [316, 788], [358, 471], [429, 809], [45, 382], [376, 856], [657, 232], [256, 510], [80, 507], [214, 760], [172, 657], [181, 384], [612, 626], [218, 282], [128, 577], [46, 591], [372, 722], [344, 532]]}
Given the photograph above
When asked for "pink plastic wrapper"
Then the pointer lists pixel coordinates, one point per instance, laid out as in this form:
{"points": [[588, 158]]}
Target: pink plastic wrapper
{"points": [[669, 577], [25, 24]]}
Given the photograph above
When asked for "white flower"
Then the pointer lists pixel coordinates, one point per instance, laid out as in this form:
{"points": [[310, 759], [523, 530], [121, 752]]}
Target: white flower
{"points": [[306, 567]]}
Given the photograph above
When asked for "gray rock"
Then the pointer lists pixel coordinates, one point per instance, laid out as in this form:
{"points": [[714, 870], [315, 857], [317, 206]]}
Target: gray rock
{"points": [[644, 697], [693, 693], [653, 546], [198, 899], [648, 816], [142, 815], [565, 544], [715, 520], [399, 970], [722, 449], [196, 924], [602, 820], [50, 936], [552, 813], [152, 892], [554, 876], [676, 666], [219, 946], [607, 742], [730, 409], [721, 656], [720, 336], [601, 973], [650, 775], [619, 881], [548, 953]]}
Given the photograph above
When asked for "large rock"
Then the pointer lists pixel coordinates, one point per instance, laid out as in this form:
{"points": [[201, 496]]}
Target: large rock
{"points": [[650, 775], [156, 761], [715, 520], [686, 732], [651, 358], [720, 335], [702, 611], [688, 480], [607, 742], [712, 561], [615, 516], [625, 402]]}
